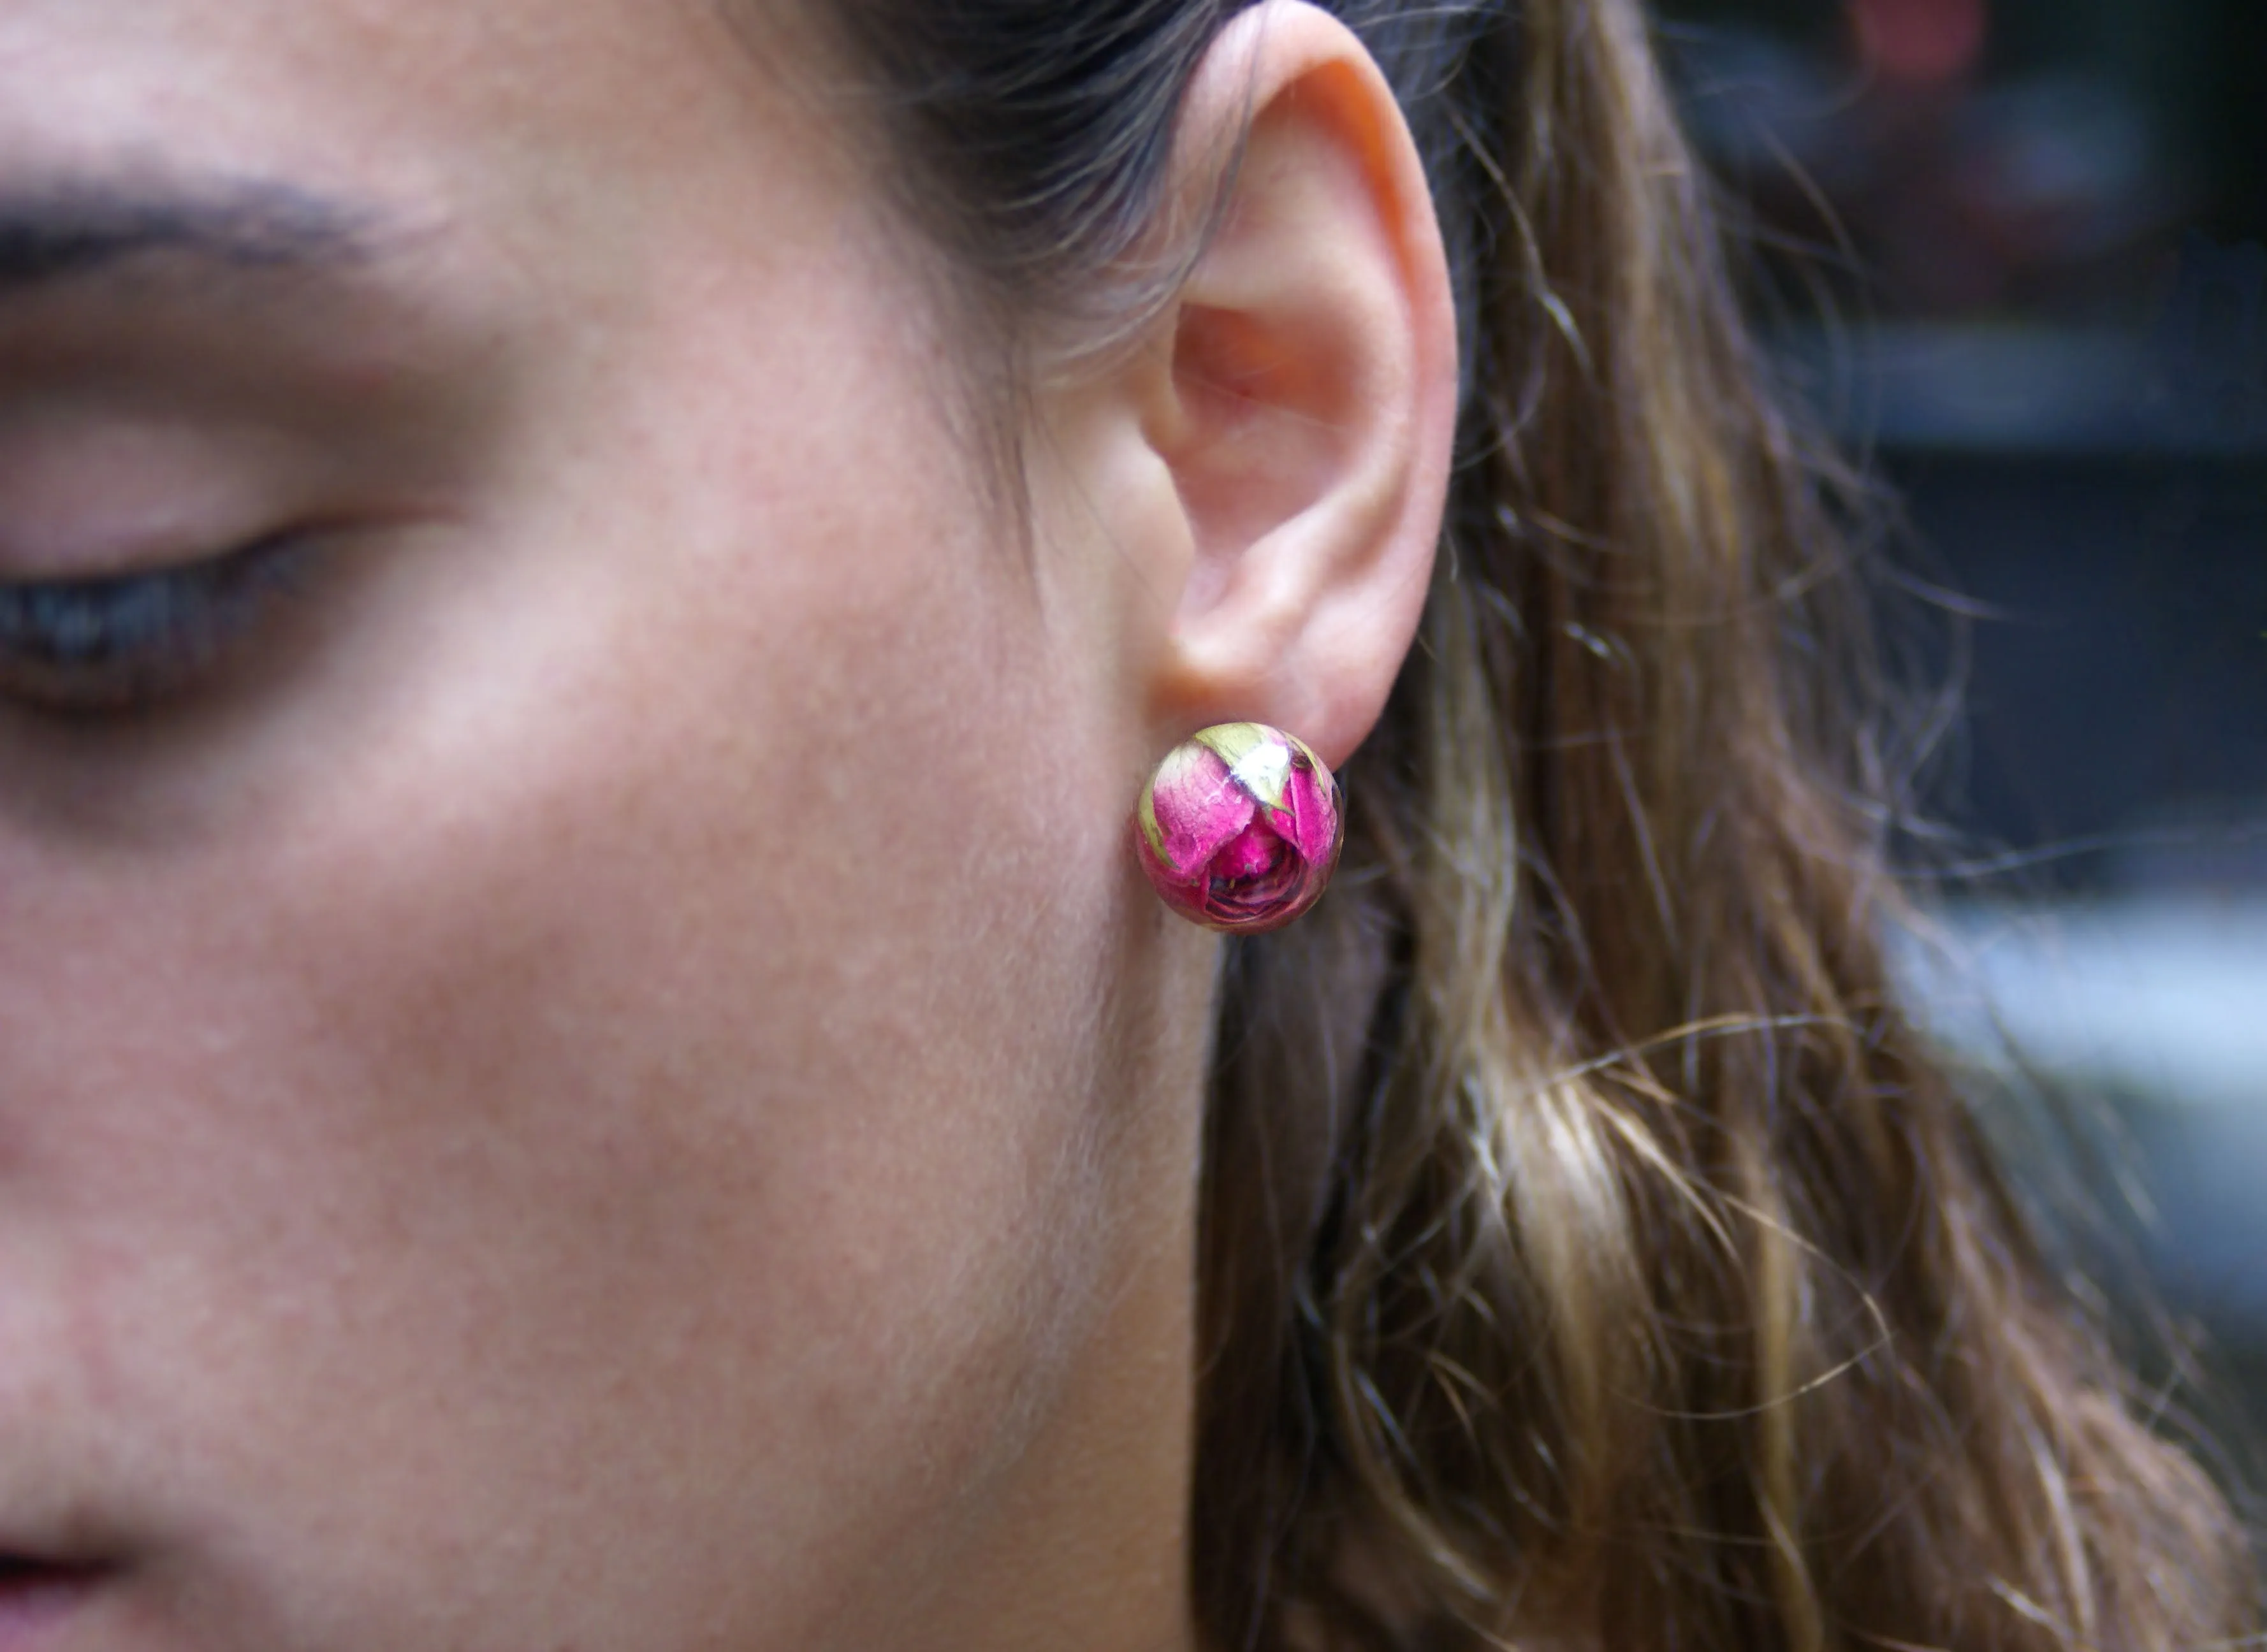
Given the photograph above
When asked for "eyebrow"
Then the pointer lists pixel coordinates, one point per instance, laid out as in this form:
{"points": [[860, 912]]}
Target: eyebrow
{"points": [[52, 234]]}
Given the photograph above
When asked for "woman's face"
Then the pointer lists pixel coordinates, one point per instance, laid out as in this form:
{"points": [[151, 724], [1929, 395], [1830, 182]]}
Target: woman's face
{"points": [[565, 1019]]}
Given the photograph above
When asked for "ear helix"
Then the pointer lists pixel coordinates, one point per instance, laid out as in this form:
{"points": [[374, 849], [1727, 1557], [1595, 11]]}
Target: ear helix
{"points": [[1240, 827]]}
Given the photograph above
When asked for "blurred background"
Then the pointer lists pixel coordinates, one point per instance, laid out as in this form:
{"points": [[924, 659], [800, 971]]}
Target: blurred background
{"points": [[2015, 250]]}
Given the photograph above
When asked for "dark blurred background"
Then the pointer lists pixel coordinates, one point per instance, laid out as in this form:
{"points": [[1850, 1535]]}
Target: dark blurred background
{"points": [[2015, 250]]}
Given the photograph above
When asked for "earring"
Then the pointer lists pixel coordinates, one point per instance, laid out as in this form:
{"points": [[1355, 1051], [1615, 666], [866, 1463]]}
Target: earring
{"points": [[1240, 827]]}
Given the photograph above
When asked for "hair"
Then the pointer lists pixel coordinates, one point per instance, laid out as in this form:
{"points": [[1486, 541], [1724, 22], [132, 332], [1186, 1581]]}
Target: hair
{"points": [[1593, 1248]]}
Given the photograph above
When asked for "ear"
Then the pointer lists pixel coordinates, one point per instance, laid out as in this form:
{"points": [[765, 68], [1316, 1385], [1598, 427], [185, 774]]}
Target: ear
{"points": [[1304, 405]]}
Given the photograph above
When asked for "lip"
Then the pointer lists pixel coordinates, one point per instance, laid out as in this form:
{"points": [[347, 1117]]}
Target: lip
{"points": [[38, 1596]]}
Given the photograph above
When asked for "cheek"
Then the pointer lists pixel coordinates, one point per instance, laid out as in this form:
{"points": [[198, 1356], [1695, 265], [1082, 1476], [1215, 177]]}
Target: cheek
{"points": [[634, 1084]]}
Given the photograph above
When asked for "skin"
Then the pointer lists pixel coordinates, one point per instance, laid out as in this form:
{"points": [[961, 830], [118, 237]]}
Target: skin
{"points": [[602, 1076]]}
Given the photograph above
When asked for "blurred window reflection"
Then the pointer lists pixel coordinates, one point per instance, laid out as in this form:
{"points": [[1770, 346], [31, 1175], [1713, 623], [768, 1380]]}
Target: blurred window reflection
{"points": [[2017, 250]]}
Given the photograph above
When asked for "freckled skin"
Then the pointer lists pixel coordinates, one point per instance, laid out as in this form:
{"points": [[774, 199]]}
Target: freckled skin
{"points": [[590, 1100]]}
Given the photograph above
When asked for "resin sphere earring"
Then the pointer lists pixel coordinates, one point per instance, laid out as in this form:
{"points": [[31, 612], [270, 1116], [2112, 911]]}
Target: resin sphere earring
{"points": [[1239, 828]]}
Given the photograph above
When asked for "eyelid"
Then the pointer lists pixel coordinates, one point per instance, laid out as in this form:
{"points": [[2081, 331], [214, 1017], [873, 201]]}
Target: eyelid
{"points": [[133, 639]]}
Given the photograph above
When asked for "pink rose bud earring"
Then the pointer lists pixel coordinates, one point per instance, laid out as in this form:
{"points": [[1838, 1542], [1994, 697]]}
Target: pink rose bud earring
{"points": [[1239, 828]]}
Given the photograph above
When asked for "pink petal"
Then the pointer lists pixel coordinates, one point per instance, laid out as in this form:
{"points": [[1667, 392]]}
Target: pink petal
{"points": [[1197, 807], [1252, 852], [1255, 879], [1309, 818]]}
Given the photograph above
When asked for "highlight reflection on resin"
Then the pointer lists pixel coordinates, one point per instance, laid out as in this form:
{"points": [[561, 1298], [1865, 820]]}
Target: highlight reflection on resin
{"points": [[1240, 828]]}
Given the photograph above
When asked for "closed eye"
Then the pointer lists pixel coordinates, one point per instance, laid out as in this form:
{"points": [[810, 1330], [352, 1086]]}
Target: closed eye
{"points": [[131, 642]]}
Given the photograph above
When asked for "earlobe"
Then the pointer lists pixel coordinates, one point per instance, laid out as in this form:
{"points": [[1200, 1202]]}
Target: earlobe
{"points": [[1310, 409]]}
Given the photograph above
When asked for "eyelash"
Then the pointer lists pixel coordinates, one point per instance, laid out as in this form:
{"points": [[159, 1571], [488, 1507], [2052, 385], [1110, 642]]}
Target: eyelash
{"points": [[131, 640]]}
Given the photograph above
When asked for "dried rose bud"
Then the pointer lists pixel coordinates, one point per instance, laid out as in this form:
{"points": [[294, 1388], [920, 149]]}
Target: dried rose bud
{"points": [[1240, 828]]}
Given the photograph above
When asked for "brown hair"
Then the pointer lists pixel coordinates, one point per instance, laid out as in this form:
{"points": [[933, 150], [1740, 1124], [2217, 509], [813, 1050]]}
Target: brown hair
{"points": [[1592, 1246]]}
